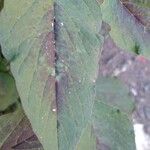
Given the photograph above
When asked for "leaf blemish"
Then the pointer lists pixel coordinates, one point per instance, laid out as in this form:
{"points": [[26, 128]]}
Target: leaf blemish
{"points": [[137, 49], [118, 111], [54, 109], [61, 23]]}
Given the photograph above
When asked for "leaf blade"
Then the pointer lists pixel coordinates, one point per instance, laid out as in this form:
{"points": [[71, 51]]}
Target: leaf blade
{"points": [[25, 43]]}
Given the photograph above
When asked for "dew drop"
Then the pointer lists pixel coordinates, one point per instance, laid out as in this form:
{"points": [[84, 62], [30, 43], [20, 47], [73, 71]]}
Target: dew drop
{"points": [[94, 80], [54, 109], [39, 34], [134, 92], [52, 24]]}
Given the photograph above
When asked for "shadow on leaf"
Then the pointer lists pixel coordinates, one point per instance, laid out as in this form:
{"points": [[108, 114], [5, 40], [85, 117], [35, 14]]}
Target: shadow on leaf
{"points": [[1, 4]]}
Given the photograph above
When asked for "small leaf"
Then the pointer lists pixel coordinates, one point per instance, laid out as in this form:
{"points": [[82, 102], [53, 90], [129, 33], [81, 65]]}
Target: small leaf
{"points": [[129, 25], [8, 92], [113, 129], [112, 92]]}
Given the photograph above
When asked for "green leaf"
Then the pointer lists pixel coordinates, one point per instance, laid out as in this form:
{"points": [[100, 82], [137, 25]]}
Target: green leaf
{"points": [[113, 128], [8, 92], [15, 129], [55, 64], [27, 42], [77, 44], [4, 67], [112, 111], [112, 92], [129, 25]]}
